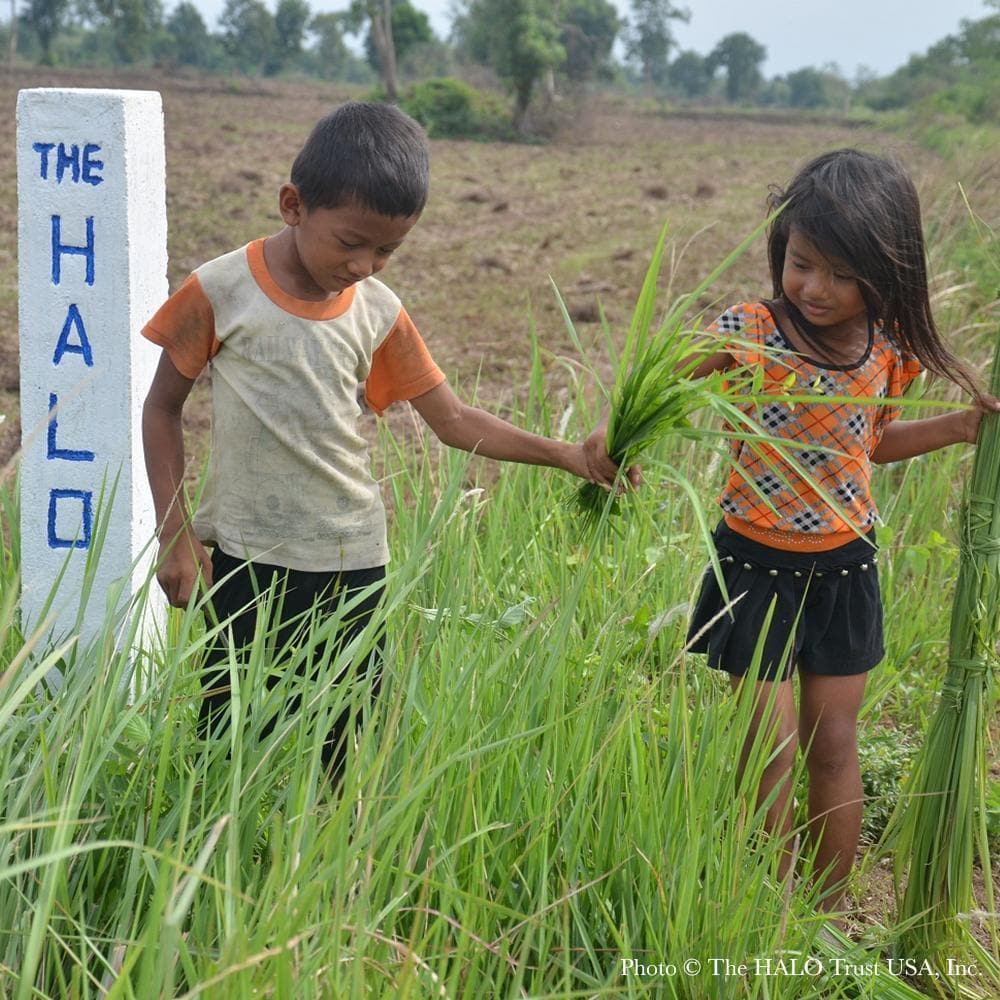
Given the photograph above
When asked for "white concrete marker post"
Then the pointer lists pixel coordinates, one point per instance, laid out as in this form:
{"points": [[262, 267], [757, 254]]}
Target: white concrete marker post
{"points": [[92, 246]]}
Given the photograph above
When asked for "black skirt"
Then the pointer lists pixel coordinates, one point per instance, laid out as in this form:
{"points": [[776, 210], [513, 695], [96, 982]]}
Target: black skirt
{"points": [[820, 610]]}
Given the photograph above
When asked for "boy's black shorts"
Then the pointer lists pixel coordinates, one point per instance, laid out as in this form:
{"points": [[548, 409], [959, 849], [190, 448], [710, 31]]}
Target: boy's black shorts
{"points": [[827, 602], [238, 585]]}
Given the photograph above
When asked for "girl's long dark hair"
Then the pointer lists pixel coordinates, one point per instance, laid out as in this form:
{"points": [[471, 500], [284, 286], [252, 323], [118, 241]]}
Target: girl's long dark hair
{"points": [[864, 210]]}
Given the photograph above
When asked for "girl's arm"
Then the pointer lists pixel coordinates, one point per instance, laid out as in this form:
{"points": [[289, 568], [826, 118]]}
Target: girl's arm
{"points": [[718, 361], [907, 438], [182, 557], [471, 429]]}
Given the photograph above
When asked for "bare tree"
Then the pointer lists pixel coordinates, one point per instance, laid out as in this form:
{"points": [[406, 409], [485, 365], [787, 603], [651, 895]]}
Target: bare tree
{"points": [[12, 41], [378, 14]]}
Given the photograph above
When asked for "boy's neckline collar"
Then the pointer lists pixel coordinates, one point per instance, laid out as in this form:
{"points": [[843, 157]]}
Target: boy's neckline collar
{"points": [[303, 308]]}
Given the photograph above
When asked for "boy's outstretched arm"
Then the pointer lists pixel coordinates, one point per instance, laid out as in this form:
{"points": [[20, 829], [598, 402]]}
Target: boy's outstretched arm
{"points": [[467, 427], [182, 557]]}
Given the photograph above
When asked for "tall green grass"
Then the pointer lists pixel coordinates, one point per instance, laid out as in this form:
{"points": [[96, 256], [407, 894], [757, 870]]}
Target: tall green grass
{"points": [[546, 787]]}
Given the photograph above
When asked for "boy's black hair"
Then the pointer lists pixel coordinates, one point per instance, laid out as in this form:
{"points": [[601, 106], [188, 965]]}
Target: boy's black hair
{"points": [[863, 210], [368, 153]]}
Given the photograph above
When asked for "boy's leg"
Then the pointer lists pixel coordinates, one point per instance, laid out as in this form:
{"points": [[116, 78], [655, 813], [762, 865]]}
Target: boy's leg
{"points": [[351, 584], [303, 593], [234, 601], [829, 731], [775, 720]]}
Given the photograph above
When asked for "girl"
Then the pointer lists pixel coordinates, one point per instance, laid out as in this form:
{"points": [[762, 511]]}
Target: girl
{"points": [[850, 317]]}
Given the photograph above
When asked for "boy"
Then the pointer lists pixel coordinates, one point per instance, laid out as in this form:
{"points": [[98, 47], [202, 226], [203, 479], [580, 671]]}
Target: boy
{"points": [[292, 325]]}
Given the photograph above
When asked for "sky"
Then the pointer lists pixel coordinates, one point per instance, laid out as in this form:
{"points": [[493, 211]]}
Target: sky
{"points": [[879, 35]]}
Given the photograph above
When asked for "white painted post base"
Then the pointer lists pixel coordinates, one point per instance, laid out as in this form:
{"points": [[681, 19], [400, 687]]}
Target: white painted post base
{"points": [[92, 245]]}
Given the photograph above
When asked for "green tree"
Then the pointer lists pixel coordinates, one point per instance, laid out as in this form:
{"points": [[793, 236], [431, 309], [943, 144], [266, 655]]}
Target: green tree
{"points": [[817, 88], [960, 74], [979, 41], [188, 42], [247, 34], [649, 39], [134, 25], [518, 38], [330, 48], [329, 57], [741, 55], [691, 74], [805, 88], [46, 18], [291, 18], [588, 29]]}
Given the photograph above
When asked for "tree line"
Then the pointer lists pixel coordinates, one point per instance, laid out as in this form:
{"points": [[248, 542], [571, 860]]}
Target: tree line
{"points": [[531, 46]]}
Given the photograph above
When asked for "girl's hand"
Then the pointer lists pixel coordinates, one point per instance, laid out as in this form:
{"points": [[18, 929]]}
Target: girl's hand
{"points": [[601, 469], [971, 419]]}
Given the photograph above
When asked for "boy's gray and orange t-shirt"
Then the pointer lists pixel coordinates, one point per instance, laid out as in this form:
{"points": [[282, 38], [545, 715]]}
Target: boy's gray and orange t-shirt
{"points": [[289, 481], [767, 497]]}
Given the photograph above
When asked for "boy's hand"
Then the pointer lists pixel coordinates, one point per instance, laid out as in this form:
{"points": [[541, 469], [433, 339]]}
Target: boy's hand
{"points": [[182, 561], [601, 469]]}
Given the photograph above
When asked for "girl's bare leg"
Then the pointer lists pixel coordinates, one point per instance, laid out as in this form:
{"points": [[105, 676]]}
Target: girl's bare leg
{"points": [[777, 720], [829, 732]]}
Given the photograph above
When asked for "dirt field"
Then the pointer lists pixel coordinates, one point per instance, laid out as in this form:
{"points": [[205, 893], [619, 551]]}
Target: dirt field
{"points": [[585, 209], [474, 274]]}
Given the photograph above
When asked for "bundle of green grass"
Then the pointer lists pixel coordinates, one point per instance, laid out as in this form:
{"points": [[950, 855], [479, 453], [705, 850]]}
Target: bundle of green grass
{"points": [[654, 395], [943, 828]]}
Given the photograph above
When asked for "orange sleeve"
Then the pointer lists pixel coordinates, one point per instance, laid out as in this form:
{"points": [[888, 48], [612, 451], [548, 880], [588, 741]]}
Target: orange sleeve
{"points": [[739, 331], [909, 370], [901, 376], [402, 367], [184, 326]]}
